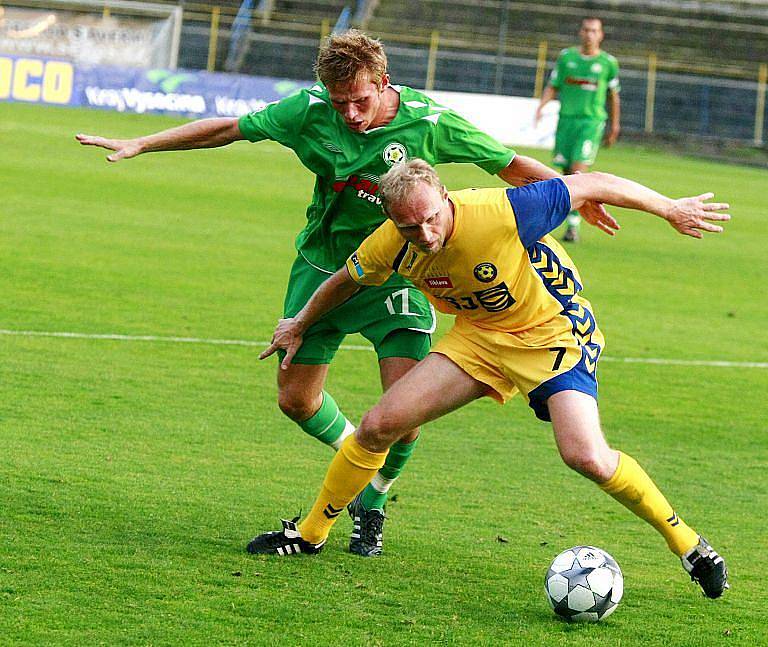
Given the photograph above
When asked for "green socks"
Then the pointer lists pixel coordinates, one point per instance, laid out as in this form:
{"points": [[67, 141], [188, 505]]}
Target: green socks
{"points": [[328, 425], [374, 495]]}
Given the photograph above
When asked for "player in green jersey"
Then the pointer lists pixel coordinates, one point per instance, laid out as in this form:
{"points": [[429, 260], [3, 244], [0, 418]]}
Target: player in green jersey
{"points": [[582, 79], [349, 129]]}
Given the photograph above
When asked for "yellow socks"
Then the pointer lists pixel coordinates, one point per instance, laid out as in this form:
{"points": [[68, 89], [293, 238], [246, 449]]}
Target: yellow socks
{"points": [[350, 471], [353, 467], [634, 489]]}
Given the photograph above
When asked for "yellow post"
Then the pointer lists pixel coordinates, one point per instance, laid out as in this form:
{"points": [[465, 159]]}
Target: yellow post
{"points": [[762, 79], [650, 93], [434, 41], [105, 12], [541, 69], [213, 38], [325, 30]]}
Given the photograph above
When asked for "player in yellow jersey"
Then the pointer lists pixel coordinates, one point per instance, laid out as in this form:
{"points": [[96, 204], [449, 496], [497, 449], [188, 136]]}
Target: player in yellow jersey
{"points": [[486, 256]]}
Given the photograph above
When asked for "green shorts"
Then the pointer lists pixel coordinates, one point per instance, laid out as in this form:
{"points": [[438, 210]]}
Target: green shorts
{"points": [[577, 140], [395, 317]]}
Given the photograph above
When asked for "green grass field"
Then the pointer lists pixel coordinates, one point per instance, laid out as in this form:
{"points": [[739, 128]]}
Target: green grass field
{"points": [[134, 472]]}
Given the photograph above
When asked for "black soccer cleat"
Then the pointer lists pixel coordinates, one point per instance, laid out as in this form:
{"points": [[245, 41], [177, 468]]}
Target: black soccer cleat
{"points": [[366, 538], [707, 568], [287, 541]]}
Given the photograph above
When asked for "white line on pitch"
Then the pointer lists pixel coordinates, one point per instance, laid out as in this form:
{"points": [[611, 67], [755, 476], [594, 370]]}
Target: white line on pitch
{"points": [[264, 344]]}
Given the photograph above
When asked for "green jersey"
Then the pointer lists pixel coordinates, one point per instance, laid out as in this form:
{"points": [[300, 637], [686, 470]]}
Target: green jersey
{"points": [[345, 205], [583, 81]]}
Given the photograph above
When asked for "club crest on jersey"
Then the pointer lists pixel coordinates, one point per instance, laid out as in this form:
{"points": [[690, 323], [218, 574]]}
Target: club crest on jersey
{"points": [[485, 272], [395, 153]]}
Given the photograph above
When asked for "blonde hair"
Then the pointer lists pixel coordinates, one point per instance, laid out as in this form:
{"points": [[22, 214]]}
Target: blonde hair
{"points": [[398, 183], [351, 56]]}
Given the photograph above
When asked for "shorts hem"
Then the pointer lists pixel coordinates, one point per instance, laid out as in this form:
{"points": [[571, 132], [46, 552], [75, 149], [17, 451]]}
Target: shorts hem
{"points": [[493, 393], [313, 361], [537, 398]]}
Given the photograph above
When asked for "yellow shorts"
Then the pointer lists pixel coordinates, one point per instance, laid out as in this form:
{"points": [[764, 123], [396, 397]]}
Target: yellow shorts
{"points": [[559, 355]]}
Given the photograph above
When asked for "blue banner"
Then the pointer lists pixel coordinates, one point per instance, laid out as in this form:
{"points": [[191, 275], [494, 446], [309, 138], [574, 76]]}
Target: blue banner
{"points": [[190, 93]]}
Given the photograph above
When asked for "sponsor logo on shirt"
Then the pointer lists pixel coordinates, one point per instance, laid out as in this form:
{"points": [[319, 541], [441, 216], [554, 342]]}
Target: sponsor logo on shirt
{"points": [[495, 299], [586, 84], [366, 188], [438, 282], [395, 153]]}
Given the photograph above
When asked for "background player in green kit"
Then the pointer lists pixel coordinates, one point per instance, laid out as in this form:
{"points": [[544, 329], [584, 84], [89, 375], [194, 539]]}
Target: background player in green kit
{"points": [[349, 129], [582, 79]]}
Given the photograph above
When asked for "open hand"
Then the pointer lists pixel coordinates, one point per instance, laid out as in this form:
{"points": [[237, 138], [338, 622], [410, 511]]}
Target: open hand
{"points": [[124, 148], [597, 215], [691, 216]]}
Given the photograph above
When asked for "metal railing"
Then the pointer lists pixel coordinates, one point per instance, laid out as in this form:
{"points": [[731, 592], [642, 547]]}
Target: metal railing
{"points": [[659, 96]]}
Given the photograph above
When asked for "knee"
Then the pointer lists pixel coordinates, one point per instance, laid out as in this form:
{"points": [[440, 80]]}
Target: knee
{"points": [[595, 465], [297, 406], [380, 428]]}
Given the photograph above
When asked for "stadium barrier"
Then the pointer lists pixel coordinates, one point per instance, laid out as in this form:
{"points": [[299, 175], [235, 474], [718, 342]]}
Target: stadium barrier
{"points": [[678, 97], [191, 93], [197, 94]]}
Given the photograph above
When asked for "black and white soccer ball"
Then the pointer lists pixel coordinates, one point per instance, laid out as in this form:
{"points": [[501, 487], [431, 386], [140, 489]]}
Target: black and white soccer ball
{"points": [[584, 584]]}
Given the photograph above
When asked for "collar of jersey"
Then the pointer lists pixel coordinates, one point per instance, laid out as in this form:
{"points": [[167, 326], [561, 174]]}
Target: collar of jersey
{"points": [[587, 57]]}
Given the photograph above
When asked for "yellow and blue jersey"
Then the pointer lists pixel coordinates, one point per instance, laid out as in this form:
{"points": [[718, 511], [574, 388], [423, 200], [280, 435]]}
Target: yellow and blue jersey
{"points": [[520, 323], [499, 269]]}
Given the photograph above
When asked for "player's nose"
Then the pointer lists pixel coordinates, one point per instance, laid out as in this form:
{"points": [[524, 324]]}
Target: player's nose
{"points": [[427, 235]]}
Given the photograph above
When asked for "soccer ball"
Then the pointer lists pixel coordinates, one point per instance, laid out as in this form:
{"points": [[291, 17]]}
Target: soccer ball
{"points": [[584, 583]]}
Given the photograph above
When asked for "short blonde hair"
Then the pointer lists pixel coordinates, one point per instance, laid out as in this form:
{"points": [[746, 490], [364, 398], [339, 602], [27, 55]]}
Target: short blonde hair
{"points": [[398, 183], [351, 56]]}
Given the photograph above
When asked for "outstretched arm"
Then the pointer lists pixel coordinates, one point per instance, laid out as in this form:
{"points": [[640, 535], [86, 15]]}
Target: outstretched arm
{"points": [[203, 133], [689, 216], [289, 332], [525, 170]]}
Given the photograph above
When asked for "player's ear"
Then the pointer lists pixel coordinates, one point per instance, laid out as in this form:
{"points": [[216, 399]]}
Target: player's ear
{"points": [[384, 81]]}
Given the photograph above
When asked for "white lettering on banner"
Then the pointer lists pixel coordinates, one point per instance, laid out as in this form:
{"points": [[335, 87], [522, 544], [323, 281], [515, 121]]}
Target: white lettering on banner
{"points": [[229, 107], [131, 99], [105, 98]]}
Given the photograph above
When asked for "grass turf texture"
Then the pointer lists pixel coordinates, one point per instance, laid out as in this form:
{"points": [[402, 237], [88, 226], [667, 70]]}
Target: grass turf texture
{"points": [[133, 473]]}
